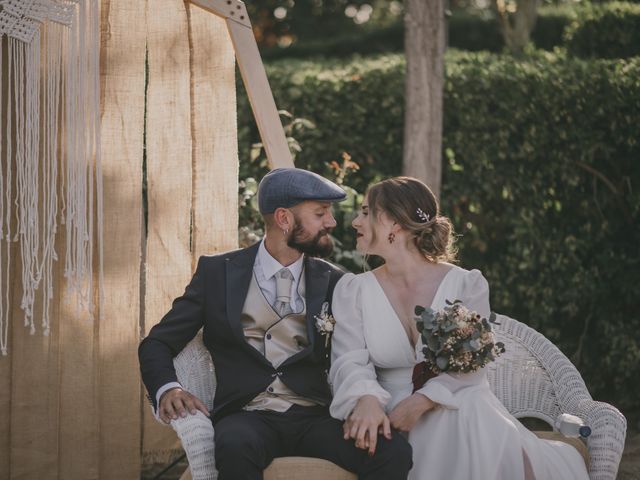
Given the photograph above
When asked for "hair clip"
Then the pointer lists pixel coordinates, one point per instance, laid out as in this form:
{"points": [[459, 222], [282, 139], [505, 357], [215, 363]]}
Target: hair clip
{"points": [[423, 216]]}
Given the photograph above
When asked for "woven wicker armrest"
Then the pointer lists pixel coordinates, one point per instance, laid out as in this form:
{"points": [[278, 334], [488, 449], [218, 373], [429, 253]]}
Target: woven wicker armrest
{"points": [[195, 371], [606, 442], [196, 434], [196, 374]]}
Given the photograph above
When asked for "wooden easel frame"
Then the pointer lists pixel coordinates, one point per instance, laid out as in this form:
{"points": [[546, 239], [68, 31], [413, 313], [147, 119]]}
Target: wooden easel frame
{"points": [[254, 77]]}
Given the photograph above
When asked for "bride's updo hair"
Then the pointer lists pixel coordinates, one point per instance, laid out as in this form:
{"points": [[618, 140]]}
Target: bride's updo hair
{"points": [[411, 204]]}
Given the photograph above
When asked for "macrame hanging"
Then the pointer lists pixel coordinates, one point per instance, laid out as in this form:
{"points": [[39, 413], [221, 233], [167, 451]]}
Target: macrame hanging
{"points": [[50, 170]]}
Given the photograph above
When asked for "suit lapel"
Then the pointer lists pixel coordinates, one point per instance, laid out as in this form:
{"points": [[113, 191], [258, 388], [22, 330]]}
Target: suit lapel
{"points": [[239, 271], [317, 279]]}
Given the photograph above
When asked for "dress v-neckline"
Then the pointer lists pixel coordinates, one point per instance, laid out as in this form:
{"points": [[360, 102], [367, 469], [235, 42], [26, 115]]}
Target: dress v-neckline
{"points": [[399, 320]]}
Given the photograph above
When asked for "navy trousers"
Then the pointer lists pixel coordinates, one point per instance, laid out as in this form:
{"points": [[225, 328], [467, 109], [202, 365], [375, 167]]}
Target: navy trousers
{"points": [[247, 442]]}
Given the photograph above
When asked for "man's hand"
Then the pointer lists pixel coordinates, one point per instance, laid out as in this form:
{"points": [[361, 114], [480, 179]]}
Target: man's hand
{"points": [[176, 402], [406, 414], [365, 422]]}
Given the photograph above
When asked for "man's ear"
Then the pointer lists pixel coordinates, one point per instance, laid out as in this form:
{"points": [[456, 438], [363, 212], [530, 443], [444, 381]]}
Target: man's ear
{"points": [[283, 219]]}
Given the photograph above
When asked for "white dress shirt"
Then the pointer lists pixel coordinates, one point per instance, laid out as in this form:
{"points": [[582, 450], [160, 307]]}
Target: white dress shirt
{"points": [[264, 268]]}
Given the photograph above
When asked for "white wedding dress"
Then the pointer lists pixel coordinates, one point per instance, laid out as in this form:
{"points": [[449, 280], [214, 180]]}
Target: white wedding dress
{"points": [[471, 435]]}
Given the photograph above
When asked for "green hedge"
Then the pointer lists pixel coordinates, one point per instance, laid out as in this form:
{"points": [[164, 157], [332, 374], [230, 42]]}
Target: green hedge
{"points": [[541, 178], [550, 26], [474, 32], [609, 30], [477, 33]]}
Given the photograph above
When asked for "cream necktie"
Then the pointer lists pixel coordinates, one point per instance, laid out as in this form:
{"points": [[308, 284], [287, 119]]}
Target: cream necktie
{"points": [[284, 279]]}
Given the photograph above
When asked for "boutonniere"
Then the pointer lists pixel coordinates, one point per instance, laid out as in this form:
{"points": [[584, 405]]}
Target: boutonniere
{"points": [[325, 323]]}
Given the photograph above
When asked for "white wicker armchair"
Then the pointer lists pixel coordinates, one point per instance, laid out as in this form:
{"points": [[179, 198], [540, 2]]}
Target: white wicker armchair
{"points": [[532, 379]]}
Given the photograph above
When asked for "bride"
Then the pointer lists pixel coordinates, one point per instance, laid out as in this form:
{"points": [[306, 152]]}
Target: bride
{"points": [[458, 429]]}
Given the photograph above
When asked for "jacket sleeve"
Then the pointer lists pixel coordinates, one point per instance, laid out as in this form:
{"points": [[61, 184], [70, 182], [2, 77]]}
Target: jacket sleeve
{"points": [[169, 337]]}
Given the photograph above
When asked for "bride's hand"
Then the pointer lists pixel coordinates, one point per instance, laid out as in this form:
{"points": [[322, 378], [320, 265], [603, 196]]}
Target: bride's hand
{"points": [[364, 423], [406, 414]]}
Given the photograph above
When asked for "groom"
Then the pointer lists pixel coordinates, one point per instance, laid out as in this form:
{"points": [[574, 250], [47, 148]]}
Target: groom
{"points": [[257, 307]]}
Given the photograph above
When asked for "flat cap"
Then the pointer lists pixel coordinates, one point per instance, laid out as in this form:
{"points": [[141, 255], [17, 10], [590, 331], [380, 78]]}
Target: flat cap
{"points": [[286, 187]]}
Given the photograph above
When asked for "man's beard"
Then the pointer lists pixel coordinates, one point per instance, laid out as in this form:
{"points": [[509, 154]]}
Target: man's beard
{"points": [[311, 247]]}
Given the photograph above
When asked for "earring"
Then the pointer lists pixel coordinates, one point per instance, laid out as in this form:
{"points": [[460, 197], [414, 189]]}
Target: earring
{"points": [[285, 232], [391, 237]]}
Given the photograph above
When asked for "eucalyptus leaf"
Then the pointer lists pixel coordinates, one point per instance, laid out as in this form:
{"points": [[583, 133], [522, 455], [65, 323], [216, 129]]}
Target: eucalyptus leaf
{"points": [[442, 363], [449, 326], [433, 343], [428, 314], [430, 321]]}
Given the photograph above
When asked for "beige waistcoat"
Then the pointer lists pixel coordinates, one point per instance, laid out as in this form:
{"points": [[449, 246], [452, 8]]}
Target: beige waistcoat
{"points": [[277, 339]]}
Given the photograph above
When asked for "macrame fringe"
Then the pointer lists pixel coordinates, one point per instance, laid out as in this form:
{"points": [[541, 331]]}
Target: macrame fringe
{"points": [[52, 125]]}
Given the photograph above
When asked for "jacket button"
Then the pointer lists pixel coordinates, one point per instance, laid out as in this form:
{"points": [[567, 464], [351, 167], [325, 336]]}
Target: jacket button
{"points": [[268, 336], [270, 389]]}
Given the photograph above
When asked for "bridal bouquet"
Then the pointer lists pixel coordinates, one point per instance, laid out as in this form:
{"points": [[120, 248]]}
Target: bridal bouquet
{"points": [[456, 339]]}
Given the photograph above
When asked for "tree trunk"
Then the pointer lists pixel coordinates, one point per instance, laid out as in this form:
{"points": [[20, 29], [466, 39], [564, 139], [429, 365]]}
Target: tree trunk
{"points": [[424, 48], [517, 24]]}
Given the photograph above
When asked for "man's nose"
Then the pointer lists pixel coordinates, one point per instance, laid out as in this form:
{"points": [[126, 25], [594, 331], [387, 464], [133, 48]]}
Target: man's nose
{"points": [[331, 221]]}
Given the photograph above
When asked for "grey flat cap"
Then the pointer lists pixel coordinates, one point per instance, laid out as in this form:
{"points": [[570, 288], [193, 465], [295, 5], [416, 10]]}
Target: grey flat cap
{"points": [[286, 187]]}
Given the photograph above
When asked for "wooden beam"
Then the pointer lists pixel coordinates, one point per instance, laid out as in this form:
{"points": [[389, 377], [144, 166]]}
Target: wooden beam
{"points": [[233, 10], [215, 150], [254, 77]]}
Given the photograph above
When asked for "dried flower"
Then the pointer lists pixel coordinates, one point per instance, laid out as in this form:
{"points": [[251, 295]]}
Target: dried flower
{"points": [[325, 323]]}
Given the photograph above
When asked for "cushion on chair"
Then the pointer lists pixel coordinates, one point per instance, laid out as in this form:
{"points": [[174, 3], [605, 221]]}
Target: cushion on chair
{"points": [[303, 468], [574, 442], [292, 468]]}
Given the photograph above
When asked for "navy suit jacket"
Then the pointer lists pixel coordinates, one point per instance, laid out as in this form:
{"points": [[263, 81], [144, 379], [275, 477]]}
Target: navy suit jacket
{"points": [[213, 301]]}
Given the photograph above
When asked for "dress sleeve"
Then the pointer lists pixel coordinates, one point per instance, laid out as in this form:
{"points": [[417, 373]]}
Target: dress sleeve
{"points": [[438, 390], [449, 389], [475, 292], [352, 373]]}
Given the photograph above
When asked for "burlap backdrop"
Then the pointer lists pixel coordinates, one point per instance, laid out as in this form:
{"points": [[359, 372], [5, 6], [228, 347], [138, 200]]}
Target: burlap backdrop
{"points": [[72, 402]]}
